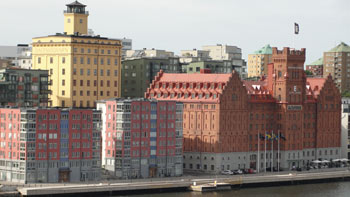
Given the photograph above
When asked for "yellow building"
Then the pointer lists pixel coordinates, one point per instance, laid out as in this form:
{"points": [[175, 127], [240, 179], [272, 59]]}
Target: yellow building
{"points": [[258, 61], [82, 68]]}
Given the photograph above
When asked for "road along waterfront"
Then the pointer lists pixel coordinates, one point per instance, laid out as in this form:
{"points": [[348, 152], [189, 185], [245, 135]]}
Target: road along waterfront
{"points": [[183, 184]]}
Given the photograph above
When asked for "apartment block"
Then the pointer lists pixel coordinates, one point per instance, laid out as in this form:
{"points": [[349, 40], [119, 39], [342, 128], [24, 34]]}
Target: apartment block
{"points": [[138, 73], [316, 67], [141, 138], [258, 62], [336, 62], [345, 128], [41, 145], [24, 87]]}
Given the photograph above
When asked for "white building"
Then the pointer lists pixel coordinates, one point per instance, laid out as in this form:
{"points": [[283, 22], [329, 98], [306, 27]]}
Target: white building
{"points": [[345, 123], [154, 53], [20, 55]]}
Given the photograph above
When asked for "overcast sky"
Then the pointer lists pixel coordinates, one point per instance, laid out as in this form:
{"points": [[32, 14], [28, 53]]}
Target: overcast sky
{"points": [[186, 24]]}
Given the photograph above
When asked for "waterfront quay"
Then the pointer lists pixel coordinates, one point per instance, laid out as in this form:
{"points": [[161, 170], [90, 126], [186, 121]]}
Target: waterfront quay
{"points": [[185, 183]]}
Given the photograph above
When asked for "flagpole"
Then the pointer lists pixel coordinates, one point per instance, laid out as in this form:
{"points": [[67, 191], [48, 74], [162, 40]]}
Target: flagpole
{"points": [[272, 152], [258, 166], [265, 152], [278, 151]]}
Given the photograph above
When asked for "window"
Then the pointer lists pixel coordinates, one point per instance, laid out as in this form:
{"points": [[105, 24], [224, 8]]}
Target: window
{"points": [[81, 60], [116, 61], [63, 82], [74, 71], [51, 60], [88, 60], [39, 60], [74, 82], [63, 93], [115, 73], [95, 72], [115, 83], [63, 71], [108, 72], [74, 60], [88, 83], [81, 83], [81, 71], [81, 21], [101, 72], [68, 20]]}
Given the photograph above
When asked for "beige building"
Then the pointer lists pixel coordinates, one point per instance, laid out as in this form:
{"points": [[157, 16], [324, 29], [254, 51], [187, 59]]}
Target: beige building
{"points": [[188, 56], [223, 52], [82, 68], [154, 53], [258, 61], [336, 62]]}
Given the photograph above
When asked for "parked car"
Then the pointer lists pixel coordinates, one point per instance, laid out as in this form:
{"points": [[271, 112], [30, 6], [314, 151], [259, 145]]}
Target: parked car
{"points": [[227, 172], [236, 172]]}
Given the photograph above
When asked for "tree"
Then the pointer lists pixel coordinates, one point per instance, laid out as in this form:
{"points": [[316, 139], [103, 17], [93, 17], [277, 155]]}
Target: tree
{"points": [[308, 73], [346, 94]]}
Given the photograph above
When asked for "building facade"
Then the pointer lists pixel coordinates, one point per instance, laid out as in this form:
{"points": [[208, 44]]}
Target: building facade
{"points": [[141, 138], [224, 117], [316, 67], [345, 128], [82, 68], [138, 73], [335, 63], [50, 145], [258, 62], [24, 88]]}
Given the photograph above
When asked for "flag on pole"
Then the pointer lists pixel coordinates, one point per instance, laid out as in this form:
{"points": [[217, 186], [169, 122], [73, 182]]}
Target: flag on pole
{"points": [[261, 136], [296, 28], [283, 137]]}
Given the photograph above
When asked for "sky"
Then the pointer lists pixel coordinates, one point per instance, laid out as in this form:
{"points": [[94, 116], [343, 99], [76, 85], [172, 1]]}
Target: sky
{"points": [[176, 25]]}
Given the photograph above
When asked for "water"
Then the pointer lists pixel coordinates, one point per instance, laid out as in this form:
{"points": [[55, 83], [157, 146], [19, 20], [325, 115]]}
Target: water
{"points": [[336, 189]]}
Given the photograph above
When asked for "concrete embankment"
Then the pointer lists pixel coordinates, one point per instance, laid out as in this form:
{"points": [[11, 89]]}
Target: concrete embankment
{"points": [[185, 184]]}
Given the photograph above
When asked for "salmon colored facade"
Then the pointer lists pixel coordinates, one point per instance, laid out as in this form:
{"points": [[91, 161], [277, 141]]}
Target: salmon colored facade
{"points": [[224, 116]]}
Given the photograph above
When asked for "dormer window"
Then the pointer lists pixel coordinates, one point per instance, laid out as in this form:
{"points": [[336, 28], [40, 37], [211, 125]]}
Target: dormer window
{"points": [[212, 86], [157, 85], [186, 95], [158, 95], [152, 94], [198, 86], [205, 86], [164, 86], [165, 95], [214, 96], [220, 86], [193, 95], [179, 95], [191, 86], [206, 96], [184, 85], [177, 86], [171, 86], [172, 95], [199, 96]]}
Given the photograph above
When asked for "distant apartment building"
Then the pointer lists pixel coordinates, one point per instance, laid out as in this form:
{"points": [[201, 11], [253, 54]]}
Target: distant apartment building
{"points": [[139, 71], [50, 145], [141, 138], [316, 67], [345, 128], [18, 56], [82, 68], [153, 53], [224, 66], [336, 62], [188, 56], [24, 88], [258, 62], [225, 57], [225, 117]]}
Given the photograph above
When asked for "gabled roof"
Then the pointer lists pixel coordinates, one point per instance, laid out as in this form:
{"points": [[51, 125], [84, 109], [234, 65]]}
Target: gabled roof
{"points": [[342, 47], [267, 49], [318, 62], [316, 84]]}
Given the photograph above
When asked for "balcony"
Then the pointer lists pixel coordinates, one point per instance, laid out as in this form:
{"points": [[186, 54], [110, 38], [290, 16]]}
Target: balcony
{"points": [[45, 92]]}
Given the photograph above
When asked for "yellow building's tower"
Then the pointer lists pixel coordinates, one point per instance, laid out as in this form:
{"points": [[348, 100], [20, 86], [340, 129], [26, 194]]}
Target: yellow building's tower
{"points": [[82, 68], [76, 19]]}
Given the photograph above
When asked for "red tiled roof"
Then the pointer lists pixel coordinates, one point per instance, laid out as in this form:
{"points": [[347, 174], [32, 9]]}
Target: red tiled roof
{"points": [[316, 84], [256, 86], [205, 92], [195, 77]]}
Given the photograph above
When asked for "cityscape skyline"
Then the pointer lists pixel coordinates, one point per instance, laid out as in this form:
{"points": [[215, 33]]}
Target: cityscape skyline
{"points": [[184, 25]]}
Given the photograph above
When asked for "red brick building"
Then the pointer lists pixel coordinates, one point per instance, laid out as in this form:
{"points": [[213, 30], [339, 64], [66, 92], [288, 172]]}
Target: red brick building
{"points": [[223, 116]]}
